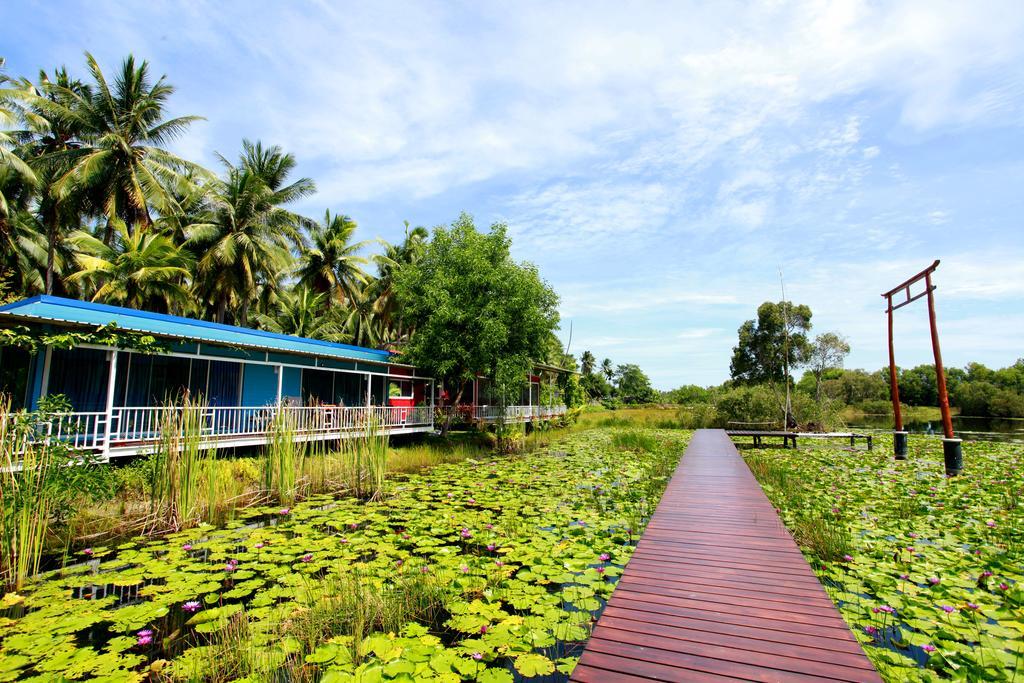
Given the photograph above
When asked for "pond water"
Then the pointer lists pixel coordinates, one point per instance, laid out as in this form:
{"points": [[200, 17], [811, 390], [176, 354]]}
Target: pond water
{"points": [[968, 428], [510, 561]]}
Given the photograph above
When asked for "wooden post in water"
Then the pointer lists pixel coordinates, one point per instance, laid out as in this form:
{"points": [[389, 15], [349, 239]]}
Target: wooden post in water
{"points": [[899, 440]]}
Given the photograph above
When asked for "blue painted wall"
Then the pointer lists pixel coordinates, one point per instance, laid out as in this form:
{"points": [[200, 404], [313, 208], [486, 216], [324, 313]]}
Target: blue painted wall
{"points": [[259, 385], [292, 384]]}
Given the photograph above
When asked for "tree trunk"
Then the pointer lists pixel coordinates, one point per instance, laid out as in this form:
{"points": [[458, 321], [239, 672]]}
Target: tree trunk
{"points": [[446, 425]]}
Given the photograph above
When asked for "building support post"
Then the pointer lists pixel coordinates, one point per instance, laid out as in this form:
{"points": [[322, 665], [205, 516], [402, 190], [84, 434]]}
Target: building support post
{"points": [[109, 419], [899, 436], [951, 446], [280, 383], [45, 381]]}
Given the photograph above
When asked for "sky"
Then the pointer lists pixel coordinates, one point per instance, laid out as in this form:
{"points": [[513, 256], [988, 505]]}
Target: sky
{"points": [[663, 164]]}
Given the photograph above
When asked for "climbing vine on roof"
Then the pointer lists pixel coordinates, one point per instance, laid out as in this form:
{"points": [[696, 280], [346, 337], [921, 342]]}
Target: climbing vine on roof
{"points": [[34, 339]]}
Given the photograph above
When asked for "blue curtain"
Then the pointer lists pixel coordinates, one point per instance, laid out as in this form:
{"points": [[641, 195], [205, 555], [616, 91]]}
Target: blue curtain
{"points": [[81, 375]]}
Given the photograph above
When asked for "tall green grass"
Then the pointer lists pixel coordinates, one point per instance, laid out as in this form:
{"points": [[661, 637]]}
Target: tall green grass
{"points": [[283, 458], [27, 498], [179, 465]]}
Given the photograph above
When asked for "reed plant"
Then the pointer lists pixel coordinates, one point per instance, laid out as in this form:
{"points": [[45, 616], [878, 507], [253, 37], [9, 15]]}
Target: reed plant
{"points": [[27, 497], [178, 467], [283, 458]]}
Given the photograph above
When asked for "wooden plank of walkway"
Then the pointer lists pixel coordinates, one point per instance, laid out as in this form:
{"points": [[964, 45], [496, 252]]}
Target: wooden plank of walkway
{"points": [[717, 590]]}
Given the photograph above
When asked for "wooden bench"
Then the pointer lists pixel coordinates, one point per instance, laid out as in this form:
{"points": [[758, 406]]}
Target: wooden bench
{"points": [[791, 437]]}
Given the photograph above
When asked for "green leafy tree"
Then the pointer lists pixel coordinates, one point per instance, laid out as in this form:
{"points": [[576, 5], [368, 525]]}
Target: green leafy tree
{"points": [[475, 310], [141, 269], [827, 352], [773, 344], [596, 386], [12, 166], [607, 369], [120, 161], [633, 385], [245, 244]]}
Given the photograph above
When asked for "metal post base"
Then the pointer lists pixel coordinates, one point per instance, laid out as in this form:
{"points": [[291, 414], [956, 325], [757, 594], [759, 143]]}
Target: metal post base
{"points": [[953, 455], [899, 444]]}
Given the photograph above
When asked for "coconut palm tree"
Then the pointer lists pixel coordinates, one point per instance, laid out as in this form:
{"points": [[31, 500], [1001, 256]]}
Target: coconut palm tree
{"points": [[607, 369], [17, 174], [587, 362], [332, 265], [302, 312], [122, 162], [22, 245], [395, 256], [245, 242], [140, 268]]}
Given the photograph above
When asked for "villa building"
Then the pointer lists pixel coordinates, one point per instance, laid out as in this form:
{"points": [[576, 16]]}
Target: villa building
{"points": [[241, 378]]}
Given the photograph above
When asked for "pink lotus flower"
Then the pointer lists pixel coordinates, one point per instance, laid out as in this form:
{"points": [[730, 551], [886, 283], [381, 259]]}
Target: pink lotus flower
{"points": [[605, 557], [187, 547], [477, 656], [192, 606], [144, 637], [466, 533], [308, 557], [972, 606], [488, 526], [343, 540], [883, 609], [928, 648], [230, 567], [451, 495], [425, 569], [353, 525], [285, 511], [399, 563], [985, 574], [472, 501], [905, 577]]}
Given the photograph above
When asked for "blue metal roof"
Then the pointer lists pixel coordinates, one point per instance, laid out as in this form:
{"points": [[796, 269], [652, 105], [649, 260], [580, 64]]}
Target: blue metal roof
{"points": [[55, 309]]}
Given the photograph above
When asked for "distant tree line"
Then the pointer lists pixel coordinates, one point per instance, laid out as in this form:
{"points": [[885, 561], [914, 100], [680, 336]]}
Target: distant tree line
{"points": [[771, 347]]}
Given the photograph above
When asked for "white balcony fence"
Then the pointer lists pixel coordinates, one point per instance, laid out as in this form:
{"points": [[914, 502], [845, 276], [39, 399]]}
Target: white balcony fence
{"points": [[518, 413], [137, 426]]}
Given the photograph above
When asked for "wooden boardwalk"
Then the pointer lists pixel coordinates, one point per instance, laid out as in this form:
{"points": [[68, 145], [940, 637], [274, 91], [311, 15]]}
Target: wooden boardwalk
{"points": [[717, 590]]}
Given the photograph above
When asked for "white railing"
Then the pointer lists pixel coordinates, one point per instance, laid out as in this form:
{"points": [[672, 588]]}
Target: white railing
{"points": [[518, 413], [79, 431], [133, 426]]}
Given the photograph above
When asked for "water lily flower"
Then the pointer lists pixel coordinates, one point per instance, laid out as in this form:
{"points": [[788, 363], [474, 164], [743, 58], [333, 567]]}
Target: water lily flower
{"points": [[1004, 587], [934, 580], [425, 569], [605, 557], [599, 570], [847, 558], [948, 609], [491, 547], [477, 656], [192, 606], [451, 495], [187, 547], [308, 557], [991, 523], [87, 552], [928, 648], [488, 526], [883, 609], [285, 511], [343, 540], [905, 577], [144, 637], [472, 501], [399, 563], [466, 533], [258, 546], [870, 630], [835, 511], [464, 569], [353, 525], [483, 629], [972, 606], [910, 548], [230, 567], [499, 563], [985, 574]]}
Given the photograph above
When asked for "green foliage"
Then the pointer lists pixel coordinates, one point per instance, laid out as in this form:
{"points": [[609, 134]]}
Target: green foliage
{"points": [[633, 386], [474, 309], [775, 340], [912, 558], [500, 555], [35, 339]]}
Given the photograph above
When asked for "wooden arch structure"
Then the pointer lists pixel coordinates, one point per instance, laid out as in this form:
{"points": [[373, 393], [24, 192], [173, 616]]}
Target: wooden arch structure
{"points": [[951, 446]]}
